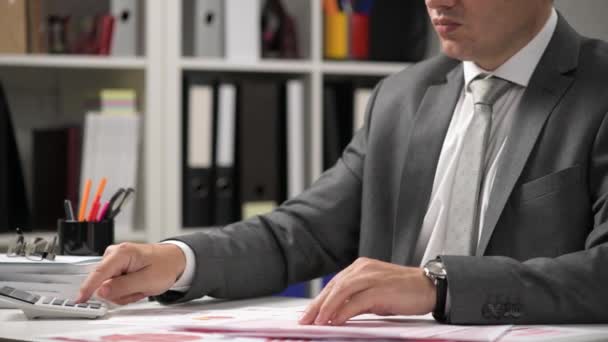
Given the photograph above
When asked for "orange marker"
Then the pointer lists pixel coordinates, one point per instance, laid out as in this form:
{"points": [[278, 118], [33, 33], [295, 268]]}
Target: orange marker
{"points": [[331, 6], [84, 200]]}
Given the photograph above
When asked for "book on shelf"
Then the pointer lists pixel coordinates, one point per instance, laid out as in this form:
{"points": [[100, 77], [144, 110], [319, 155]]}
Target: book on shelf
{"points": [[14, 206], [56, 167], [13, 27], [41, 27]]}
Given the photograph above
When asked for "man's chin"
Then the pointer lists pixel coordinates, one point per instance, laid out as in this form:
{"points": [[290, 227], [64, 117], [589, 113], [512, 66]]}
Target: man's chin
{"points": [[455, 50]]}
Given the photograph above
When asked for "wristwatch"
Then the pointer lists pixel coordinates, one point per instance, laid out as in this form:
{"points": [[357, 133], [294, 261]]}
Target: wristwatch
{"points": [[435, 271]]}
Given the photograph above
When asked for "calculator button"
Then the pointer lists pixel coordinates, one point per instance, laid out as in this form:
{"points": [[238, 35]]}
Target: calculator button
{"points": [[47, 300], [58, 301], [6, 290], [82, 305], [70, 303], [95, 306]]}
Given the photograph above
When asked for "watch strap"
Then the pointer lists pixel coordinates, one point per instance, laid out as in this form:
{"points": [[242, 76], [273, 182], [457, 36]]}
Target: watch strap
{"points": [[442, 293]]}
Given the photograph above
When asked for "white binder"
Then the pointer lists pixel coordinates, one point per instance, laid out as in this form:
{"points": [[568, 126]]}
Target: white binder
{"points": [[296, 169], [361, 97], [200, 127], [208, 28], [242, 27], [126, 16]]}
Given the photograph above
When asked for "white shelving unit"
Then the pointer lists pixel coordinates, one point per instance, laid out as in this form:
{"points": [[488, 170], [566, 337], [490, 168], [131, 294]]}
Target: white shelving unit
{"points": [[312, 68], [361, 68], [73, 62]]}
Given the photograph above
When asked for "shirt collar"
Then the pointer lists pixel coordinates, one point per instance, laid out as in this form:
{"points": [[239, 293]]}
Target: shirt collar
{"points": [[519, 68]]}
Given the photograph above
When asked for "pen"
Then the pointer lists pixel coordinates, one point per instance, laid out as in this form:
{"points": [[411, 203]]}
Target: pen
{"points": [[93, 214], [84, 200], [69, 213], [95, 205], [103, 212]]}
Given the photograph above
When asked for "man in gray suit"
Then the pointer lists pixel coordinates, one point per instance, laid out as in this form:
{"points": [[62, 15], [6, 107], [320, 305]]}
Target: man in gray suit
{"points": [[477, 190]]}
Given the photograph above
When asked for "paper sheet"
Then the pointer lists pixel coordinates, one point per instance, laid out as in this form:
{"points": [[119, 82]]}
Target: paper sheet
{"points": [[259, 323], [130, 334], [62, 265], [547, 333], [283, 323]]}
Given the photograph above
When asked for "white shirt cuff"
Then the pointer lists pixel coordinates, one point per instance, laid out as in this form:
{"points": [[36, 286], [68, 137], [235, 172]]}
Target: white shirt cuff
{"points": [[184, 282]]}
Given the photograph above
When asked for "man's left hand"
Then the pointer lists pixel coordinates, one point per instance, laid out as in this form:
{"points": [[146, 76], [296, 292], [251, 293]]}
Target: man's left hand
{"points": [[372, 286]]}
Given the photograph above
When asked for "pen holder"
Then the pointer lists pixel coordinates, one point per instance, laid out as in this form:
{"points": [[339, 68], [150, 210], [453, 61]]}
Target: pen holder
{"points": [[84, 238]]}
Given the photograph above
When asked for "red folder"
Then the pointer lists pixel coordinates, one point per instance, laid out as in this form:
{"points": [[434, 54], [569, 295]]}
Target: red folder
{"points": [[105, 30], [359, 36]]}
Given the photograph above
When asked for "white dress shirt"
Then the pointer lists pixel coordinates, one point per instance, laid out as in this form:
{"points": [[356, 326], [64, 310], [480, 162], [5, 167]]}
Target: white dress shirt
{"points": [[518, 69]]}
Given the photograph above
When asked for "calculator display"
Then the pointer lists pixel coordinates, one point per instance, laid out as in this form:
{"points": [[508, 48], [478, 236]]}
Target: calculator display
{"points": [[20, 295]]}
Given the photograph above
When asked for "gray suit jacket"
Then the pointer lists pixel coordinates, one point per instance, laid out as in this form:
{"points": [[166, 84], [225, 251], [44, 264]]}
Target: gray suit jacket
{"points": [[544, 248]]}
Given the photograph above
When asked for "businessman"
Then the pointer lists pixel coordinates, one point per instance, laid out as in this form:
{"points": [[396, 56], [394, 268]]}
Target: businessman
{"points": [[477, 190]]}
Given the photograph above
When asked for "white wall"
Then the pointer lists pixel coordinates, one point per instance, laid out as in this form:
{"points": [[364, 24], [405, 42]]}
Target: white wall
{"points": [[588, 17]]}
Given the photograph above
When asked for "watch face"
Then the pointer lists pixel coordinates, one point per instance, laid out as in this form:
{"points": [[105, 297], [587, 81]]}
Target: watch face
{"points": [[436, 268]]}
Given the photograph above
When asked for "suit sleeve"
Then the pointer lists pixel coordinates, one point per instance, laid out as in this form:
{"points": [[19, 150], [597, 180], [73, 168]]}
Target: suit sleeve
{"points": [[313, 234], [567, 289]]}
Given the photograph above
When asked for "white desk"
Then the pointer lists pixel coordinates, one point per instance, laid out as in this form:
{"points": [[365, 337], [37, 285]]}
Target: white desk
{"points": [[15, 326]]}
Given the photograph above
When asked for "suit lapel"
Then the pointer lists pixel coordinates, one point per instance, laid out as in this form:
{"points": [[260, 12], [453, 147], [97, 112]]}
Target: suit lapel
{"points": [[418, 170], [547, 86]]}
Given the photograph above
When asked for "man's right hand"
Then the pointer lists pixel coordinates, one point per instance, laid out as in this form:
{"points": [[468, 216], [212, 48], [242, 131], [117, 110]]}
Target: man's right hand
{"points": [[130, 272]]}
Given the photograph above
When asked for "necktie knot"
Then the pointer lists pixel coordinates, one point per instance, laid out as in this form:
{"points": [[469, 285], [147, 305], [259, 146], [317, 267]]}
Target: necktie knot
{"points": [[486, 90]]}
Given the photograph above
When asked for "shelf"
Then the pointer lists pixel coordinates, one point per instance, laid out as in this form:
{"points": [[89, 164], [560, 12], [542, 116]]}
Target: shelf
{"points": [[362, 68], [73, 62], [261, 66]]}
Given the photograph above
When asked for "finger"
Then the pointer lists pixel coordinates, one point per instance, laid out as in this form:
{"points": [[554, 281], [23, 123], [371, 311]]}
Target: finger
{"points": [[109, 250], [360, 303], [130, 299], [339, 295], [313, 308], [142, 281], [110, 266]]}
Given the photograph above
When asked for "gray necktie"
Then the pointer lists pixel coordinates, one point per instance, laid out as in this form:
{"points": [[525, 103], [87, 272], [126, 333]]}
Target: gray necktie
{"points": [[463, 212]]}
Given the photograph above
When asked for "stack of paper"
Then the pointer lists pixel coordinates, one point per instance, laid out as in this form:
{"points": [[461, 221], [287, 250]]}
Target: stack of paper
{"points": [[59, 278], [118, 101]]}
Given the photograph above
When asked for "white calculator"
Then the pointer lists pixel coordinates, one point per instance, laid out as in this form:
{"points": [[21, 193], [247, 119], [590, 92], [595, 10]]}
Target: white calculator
{"points": [[35, 306]]}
